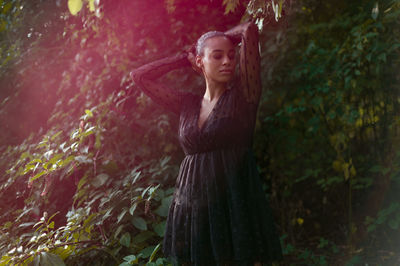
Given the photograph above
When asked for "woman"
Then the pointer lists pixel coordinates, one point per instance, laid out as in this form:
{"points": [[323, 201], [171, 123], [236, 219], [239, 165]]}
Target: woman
{"points": [[219, 214]]}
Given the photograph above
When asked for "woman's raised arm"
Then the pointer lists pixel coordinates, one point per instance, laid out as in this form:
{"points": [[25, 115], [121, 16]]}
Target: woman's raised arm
{"points": [[146, 75], [249, 62]]}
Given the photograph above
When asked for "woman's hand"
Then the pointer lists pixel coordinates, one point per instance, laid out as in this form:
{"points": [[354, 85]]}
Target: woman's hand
{"points": [[191, 57], [236, 32]]}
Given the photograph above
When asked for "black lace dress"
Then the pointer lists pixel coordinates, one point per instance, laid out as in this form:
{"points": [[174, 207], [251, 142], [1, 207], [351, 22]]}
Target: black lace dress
{"points": [[219, 214]]}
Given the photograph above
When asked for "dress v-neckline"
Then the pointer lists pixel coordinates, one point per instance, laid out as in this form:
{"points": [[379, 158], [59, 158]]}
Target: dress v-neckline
{"points": [[200, 129]]}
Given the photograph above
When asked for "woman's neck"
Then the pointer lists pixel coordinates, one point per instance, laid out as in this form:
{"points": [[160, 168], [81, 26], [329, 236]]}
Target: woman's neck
{"points": [[214, 90]]}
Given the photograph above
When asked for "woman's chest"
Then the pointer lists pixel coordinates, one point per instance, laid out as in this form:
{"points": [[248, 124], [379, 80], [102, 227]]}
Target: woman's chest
{"points": [[222, 127]]}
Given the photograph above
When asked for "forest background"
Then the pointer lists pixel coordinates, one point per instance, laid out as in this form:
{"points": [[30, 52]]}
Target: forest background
{"points": [[88, 163]]}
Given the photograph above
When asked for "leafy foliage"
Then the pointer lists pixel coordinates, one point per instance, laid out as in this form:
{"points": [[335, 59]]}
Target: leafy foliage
{"points": [[328, 129], [105, 149]]}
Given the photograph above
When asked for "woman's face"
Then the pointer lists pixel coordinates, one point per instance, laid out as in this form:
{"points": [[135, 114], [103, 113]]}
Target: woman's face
{"points": [[218, 60]]}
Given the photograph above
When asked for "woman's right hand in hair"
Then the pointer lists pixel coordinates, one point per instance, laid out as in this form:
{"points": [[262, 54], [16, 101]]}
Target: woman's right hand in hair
{"points": [[191, 56]]}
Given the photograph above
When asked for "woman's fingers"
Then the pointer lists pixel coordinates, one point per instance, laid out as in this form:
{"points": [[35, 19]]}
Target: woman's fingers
{"points": [[192, 59]]}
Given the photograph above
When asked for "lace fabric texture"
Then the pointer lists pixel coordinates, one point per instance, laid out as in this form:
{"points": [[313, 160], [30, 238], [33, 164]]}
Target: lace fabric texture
{"points": [[219, 214]]}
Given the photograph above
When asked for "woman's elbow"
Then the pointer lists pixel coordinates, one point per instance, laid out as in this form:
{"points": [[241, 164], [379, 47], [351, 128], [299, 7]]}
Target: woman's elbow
{"points": [[134, 76]]}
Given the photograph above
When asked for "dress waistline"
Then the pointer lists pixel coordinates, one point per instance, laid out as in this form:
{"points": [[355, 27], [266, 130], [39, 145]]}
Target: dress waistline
{"points": [[188, 154]]}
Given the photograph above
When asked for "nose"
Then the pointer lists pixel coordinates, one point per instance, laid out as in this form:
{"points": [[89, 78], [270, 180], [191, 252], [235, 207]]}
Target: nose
{"points": [[226, 60]]}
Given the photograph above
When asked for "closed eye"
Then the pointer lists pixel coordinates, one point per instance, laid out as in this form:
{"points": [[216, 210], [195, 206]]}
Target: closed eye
{"points": [[219, 56]]}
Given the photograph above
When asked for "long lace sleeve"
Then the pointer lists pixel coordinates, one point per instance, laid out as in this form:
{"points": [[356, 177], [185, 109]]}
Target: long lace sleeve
{"points": [[249, 62], [146, 75]]}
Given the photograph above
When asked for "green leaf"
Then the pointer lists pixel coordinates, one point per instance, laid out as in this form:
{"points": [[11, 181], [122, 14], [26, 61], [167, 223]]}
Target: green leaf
{"points": [[26, 224], [56, 135], [119, 229], [35, 161], [121, 215], [136, 176], [74, 134], [51, 225], [152, 191], [130, 259], [160, 194], [55, 158], [48, 259], [139, 223], [170, 191], [91, 5], [153, 254], [37, 176], [107, 213], [162, 210], [145, 191], [100, 180], [146, 252], [375, 11], [74, 6], [62, 147], [82, 182], [132, 208], [230, 5], [125, 239], [89, 113], [24, 155], [89, 131], [28, 168], [67, 160], [88, 220], [160, 229], [160, 261], [7, 7], [83, 159], [143, 236]]}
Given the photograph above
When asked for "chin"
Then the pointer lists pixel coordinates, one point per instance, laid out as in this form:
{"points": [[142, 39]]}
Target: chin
{"points": [[226, 79]]}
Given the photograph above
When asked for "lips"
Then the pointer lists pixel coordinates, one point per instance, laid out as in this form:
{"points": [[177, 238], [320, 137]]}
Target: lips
{"points": [[226, 71]]}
